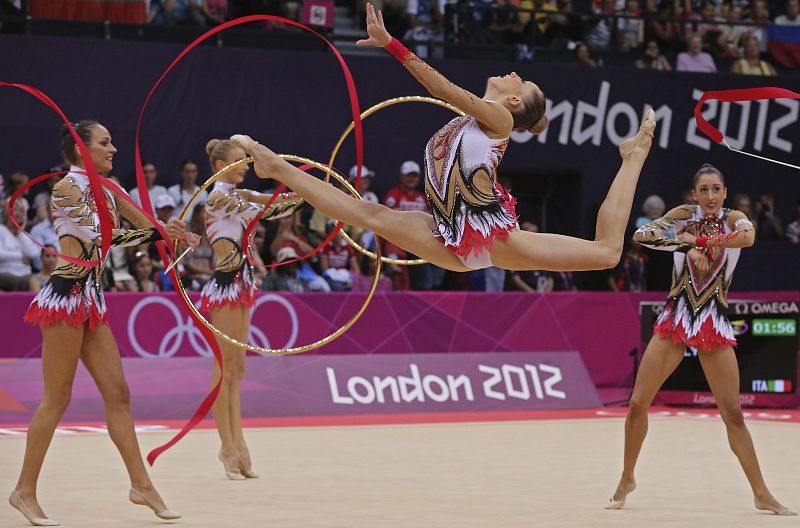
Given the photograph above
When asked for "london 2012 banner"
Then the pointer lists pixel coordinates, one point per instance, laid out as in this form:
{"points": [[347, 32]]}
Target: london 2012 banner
{"points": [[330, 385]]}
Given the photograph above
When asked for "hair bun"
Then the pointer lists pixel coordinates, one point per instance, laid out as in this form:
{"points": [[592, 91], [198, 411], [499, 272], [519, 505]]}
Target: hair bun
{"points": [[540, 125], [64, 131], [211, 144]]}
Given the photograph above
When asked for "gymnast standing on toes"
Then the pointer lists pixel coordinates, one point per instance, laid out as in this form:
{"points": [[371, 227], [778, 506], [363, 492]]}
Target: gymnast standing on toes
{"points": [[706, 248], [474, 224], [71, 312], [230, 294]]}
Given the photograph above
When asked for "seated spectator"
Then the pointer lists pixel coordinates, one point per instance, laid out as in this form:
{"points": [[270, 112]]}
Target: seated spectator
{"points": [[793, 229], [338, 263], [751, 63], [198, 265], [153, 190], [705, 24], [582, 56], [44, 232], [742, 202], [563, 281], [426, 24], [119, 266], [366, 181], [502, 22], [407, 197], [694, 59], [142, 270], [182, 192], [258, 247], [543, 29], [792, 16], [494, 279], [362, 282], [320, 225], [760, 17], [666, 31], [17, 251], [284, 278], [165, 208], [566, 26], [653, 59], [770, 226], [630, 272], [41, 202], [188, 12], [14, 181], [598, 37], [49, 262], [534, 280], [160, 13], [292, 233], [630, 31], [215, 11], [732, 36], [652, 208]]}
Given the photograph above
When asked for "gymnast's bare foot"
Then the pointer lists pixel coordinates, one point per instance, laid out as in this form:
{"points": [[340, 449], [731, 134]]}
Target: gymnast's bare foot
{"points": [[266, 162], [617, 501], [638, 146], [245, 464], [244, 141], [769, 503], [28, 506]]}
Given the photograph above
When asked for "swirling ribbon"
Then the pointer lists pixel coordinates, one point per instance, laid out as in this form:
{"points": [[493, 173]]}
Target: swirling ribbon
{"points": [[732, 96]]}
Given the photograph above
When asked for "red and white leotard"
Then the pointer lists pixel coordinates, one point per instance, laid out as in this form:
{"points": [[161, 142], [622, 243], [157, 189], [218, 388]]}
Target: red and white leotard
{"points": [[695, 313], [470, 208], [228, 213], [74, 293]]}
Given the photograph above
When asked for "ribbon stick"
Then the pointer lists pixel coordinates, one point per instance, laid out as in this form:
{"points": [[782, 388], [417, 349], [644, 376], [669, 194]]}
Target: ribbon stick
{"points": [[739, 95], [759, 157]]}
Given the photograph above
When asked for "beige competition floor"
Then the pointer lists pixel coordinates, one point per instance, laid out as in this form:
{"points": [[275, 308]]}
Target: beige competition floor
{"points": [[512, 474]]}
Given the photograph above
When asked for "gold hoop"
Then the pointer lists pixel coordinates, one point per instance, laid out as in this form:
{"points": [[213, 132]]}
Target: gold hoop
{"points": [[368, 112], [277, 210]]}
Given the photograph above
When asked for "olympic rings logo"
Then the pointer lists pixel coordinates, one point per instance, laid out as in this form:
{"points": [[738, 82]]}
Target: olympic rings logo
{"points": [[173, 339]]}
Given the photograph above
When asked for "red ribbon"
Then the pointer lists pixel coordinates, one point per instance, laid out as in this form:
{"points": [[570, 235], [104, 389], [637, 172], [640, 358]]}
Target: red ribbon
{"points": [[252, 225], [105, 182], [732, 96], [95, 180], [205, 406]]}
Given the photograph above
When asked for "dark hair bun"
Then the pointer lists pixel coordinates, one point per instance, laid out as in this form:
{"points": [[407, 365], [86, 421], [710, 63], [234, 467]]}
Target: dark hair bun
{"points": [[64, 130]]}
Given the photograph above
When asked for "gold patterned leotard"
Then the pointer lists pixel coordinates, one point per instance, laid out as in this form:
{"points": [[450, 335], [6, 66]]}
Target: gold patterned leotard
{"points": [[74, 293], [228, 213], [695, 313]]}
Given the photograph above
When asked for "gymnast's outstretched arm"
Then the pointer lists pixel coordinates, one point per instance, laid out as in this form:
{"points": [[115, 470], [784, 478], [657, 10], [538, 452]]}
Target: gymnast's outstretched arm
{"points": [[494, 116]]}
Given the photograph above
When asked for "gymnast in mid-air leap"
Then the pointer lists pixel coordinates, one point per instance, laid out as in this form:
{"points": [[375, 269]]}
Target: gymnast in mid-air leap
{"points": [[474, 223]]}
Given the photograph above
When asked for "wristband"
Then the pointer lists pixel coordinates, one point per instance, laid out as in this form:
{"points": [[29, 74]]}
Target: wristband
{"points": [[398, 51]]}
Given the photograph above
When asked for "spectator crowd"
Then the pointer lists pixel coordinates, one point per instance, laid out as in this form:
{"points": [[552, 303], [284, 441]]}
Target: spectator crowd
{"points": [[337, 266]]}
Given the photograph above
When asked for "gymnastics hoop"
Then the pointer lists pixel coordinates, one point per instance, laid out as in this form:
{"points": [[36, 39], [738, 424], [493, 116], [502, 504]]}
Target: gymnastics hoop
{"points": [[368, 112], [278, 209]]}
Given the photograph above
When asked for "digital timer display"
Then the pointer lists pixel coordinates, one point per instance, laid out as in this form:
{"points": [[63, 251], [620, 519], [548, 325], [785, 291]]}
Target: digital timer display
{"points": [[774, 327]]}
